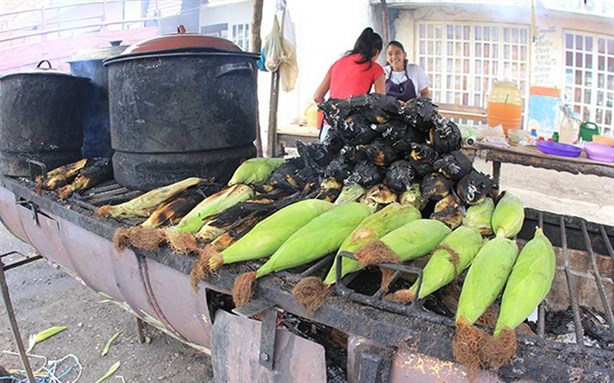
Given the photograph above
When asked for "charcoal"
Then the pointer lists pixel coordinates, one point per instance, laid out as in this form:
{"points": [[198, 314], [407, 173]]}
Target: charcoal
{"points": [[454, 165], [315, 155], [366, 174], [333, 141], [381, 152], [445, 136], [423, 158], [354, 154], [474, 187], [400, 176], [356, 130]]}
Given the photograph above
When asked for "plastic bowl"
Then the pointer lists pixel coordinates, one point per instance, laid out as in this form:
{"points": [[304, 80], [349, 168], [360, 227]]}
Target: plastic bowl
{"points": [[599, 152], [558, 149]]}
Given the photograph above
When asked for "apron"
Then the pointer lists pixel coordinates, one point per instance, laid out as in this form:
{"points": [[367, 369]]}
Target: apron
{"points": [[404, 91]]}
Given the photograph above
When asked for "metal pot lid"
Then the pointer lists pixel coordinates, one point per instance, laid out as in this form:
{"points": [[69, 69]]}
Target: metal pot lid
{"points": [[100, 53], [181, 41], [40, 69]]}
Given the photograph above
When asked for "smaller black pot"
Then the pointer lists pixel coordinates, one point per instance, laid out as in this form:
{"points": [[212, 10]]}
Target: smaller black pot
{"points": [[41, 118]]}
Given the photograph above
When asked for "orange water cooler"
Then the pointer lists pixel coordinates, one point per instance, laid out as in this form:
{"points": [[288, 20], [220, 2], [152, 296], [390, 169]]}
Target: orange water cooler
{"points": [[504, 106]]}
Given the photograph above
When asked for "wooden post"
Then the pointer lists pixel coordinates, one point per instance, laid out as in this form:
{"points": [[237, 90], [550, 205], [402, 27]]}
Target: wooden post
{"points": [[256, 45], [274, 99], [386, 24]]}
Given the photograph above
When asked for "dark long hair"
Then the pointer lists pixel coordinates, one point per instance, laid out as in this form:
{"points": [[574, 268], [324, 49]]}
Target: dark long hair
{"points": [[400, 46], [366, 45]]}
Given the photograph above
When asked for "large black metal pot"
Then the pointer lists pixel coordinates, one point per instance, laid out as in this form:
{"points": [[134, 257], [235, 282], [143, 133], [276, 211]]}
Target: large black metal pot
{"points": [[181, 111], [41, 118], [96, 129]]}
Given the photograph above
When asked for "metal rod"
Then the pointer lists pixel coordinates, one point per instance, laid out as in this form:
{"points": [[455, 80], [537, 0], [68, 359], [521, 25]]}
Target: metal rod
{"points": [[14, 327], [317, 266], [541, 317], [607, 242], [575, 308], [604, 299]]}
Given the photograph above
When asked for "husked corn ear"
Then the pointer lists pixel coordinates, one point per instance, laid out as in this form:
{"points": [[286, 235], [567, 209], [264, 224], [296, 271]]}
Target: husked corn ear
{"points": [[372, 228], [508, 216], [486, 277], [144, 205], [529, 282], [479, 216], [416, 238], [255, 171], [211, 205], [322, 235], [268, 235], [448, 260]]}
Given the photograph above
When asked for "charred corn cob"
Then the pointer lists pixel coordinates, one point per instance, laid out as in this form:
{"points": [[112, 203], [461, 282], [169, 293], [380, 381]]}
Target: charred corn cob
{"points": [[255, 171], [144, 205], [211, 205], [508, 216], [64, 177], [40, 182], [449, 259], [175, 209], [99, 171], [372, 228], [413, 197], [486, 278], [479, 216]]}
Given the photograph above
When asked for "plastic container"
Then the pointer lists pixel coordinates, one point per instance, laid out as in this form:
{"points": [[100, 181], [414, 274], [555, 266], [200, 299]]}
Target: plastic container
{"points": [[588, 130], [569, 129], [599, 152], [558, 149], [504, 106], [605, 140]]}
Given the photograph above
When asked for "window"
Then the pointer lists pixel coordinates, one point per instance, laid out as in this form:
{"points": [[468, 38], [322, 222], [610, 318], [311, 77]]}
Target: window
{"points": [[464, 60], [240, 36], [589, 77]]}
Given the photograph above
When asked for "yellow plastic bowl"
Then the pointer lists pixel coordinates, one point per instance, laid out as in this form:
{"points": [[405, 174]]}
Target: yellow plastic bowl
{"points": [[604, 140]]}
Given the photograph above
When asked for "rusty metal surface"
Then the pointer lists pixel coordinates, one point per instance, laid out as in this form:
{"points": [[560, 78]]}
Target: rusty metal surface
{"points": [[536, 359], [8, 216], [531, 156], [235, 349]]}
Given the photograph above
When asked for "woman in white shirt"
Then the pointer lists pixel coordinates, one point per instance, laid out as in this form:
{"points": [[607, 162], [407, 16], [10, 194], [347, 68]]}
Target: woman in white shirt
{"points": [[404, 80]]}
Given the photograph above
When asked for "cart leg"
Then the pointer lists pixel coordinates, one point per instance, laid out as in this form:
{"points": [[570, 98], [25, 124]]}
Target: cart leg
{"points": [[140, 326], [496, 171], [14, 328]]}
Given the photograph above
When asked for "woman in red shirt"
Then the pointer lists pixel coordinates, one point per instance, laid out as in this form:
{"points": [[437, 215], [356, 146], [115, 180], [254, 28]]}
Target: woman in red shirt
{"points": [[355, 73]]}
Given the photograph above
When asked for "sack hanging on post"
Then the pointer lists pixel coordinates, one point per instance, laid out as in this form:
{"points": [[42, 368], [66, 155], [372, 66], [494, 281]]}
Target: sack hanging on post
{"points": [[288, 71], [273, 51]]}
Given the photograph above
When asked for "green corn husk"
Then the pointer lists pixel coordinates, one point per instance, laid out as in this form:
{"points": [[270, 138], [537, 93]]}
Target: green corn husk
{"points": [[175, 209], [372, 228], [144, 205], [255, 171], [416, 239], [211, 205], [43, 335], [508, 216], [322, 235], [486, 277], [413, 197], [528, 284], [267, 236], [479, 216], [449, 259], [350, 192]]}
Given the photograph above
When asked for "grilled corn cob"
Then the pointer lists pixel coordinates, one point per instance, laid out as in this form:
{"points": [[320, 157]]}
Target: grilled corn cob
{"points": [[175, 209], [317, 238], [99, 171], [479, 216], [255, 171], [64, 177], [508, 216], [413, 197], [144, 205], [528, 284], [211, 205], [350, 192], [448, 260], [311, 292]]}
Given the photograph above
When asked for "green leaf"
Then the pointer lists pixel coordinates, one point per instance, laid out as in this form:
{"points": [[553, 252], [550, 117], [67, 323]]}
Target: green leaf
{"points": [[110, 372], [108, 345], [41, 336]]}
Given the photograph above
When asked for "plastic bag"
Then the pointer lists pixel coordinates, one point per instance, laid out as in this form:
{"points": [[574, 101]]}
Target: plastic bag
{"points": [[288, 70], [273, 52]]}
